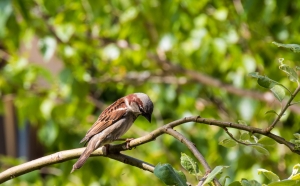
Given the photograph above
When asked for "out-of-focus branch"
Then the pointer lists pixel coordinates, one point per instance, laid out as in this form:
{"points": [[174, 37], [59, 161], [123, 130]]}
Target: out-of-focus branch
{"points": [[168, 66], [137, 78]]}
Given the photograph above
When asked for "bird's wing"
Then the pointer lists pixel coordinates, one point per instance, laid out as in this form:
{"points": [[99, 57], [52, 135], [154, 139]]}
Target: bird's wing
{"points": [[108, 117]]}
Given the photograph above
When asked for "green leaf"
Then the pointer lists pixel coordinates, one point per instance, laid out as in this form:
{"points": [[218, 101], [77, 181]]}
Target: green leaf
{"points": [[284, 183], [292, 47], [295, 170], [5, 11], [278, 92], [223, 180], [271, 112], [266, 82], [47, 47], [242, 122], [270, 175], [245, 136], [250, 183], [266, 141], [297, 135], [295, 177], [189, 164], [169, 175], [228, 143], [291, 73], [214, 173], [235, 183], [261, 149]]}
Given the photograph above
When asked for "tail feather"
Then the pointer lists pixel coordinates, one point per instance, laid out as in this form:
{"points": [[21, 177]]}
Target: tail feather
{"points": [[82, 159]]}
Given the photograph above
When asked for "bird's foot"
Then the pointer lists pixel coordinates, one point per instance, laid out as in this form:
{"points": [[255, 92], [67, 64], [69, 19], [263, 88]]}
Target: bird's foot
{"points": [[128, 140], [106, 149]]}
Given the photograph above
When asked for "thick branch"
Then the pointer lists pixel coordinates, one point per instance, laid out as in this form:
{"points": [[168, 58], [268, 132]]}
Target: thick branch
{"points": [[63, 156], [286, 106]]}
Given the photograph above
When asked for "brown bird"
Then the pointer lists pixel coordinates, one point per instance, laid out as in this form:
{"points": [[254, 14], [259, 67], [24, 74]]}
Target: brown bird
{"points": [[113, 122]]}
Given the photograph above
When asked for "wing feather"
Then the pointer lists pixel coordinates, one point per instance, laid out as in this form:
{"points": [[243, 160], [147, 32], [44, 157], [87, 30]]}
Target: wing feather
{"points": [[108, 117]]}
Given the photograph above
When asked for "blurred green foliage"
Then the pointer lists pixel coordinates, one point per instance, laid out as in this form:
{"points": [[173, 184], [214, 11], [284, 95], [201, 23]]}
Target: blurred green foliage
{"points": [[105, 45]]}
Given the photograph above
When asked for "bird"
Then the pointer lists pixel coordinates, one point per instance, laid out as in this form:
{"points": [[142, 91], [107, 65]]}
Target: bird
{"points": [[113, 122]]}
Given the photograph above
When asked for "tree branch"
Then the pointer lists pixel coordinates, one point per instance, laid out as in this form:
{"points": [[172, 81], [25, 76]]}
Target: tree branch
{"points": [[66, 155], [236, 140], [75, 153], [193, 149], [286, 106]]}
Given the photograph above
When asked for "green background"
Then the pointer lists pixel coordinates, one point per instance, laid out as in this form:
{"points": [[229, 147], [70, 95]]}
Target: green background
{"points": [[108, 49]]}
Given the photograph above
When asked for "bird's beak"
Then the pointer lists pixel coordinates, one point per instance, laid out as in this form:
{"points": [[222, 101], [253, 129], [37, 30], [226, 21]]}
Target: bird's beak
{"points": [[148, 117]]}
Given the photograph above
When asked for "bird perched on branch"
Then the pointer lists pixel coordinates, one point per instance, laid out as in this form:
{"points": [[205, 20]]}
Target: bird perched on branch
{"points": [[113, 122]]}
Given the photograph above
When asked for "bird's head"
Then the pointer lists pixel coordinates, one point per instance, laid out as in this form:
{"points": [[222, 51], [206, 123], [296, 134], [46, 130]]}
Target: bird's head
{"points": [[143, 103]]}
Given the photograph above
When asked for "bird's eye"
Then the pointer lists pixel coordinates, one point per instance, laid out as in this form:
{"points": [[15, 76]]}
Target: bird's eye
{"points": [[141, 109]]}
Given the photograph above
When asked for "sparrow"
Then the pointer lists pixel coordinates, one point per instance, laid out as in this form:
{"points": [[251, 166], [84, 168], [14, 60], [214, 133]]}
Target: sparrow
{"points": [[113, 122]]}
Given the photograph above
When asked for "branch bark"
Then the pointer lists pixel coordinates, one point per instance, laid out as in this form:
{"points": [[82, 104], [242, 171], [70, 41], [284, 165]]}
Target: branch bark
{"points": [[193, 149], [66, 155], [286, 106], [115, 149]]}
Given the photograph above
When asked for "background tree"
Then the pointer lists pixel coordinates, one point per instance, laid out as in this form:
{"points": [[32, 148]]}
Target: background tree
{"points": [[191, 57]]}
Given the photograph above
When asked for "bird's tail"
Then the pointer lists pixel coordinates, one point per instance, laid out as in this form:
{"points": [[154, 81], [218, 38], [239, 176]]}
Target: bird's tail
{"points": [[84, 156]]}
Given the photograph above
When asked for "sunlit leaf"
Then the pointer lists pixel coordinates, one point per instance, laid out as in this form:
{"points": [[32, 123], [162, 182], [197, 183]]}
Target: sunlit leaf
{"points": [[297, 135], [266, 141], [245, 136], [269, 174], [271, 112], [245, 182], [295, 170], [292, 47], [189, 164], [235, 183], [261, 149], [291, 73], [228, 143], [217, 170], [223, 179], [278, 92], [284, 183]]}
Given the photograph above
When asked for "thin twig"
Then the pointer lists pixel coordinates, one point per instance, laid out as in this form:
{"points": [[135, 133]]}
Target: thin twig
{"points": [[286, 106], [193, 149], [236, 140]]}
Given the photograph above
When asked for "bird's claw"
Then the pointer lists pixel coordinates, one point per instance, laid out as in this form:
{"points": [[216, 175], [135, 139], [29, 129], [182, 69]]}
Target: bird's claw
{"points": [[128, 140], [106, 149]]}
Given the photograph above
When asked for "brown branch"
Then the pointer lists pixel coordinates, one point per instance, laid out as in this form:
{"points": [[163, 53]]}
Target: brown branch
{"points": [[193, 149], [154, 134], [286, 106], [204, 79], [72, 154], [63, 156]]}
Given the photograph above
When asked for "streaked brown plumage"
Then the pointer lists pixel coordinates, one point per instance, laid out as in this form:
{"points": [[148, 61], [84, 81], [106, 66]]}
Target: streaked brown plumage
{"points": [[114, 121]]}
